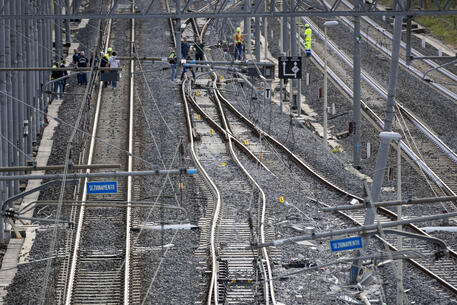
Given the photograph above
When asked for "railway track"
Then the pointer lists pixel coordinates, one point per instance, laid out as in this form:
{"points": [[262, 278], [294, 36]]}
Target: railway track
{"points": [[228, 229], [441, 172], [443, 271], [101, 261], [441, 78], [238, 270]]}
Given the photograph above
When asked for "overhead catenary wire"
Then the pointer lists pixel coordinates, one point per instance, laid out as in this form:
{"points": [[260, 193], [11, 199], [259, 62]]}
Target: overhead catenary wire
{"points": [[86, 133], [17, 148]]}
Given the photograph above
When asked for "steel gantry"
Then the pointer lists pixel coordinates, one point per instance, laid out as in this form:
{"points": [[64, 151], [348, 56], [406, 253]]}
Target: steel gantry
{"points": [[215, 10]]}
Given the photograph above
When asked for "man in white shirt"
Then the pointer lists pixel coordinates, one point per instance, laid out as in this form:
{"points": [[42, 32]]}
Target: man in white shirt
{"points": [[114, 63]]}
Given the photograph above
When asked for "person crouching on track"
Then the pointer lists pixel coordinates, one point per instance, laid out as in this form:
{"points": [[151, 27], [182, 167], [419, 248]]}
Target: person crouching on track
{"points": [[186, 68]]}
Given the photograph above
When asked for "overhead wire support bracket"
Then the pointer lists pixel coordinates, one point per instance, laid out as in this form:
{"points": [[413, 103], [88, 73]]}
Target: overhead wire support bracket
{"points": [[189, 171], [56, 167], [408, 201], [361, 230]]}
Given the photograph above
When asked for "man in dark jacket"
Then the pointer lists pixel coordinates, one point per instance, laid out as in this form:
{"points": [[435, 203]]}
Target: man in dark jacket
{"points": [[104, 63], [199, 45], [58, 85], [185, 46], [64, 73], [82, 63]]}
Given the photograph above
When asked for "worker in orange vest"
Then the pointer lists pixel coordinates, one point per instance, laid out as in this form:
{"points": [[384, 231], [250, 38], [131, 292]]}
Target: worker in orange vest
{"points": [[238, 38]]}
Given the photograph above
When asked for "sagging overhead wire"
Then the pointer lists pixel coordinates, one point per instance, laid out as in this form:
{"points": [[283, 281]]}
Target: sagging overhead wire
{"points": [[79, 130]]}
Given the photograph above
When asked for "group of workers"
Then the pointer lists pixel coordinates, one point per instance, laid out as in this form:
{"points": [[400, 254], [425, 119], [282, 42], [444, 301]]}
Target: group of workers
{"points": [[110, 60], [185, 49], [238, 41], [80, 60]]}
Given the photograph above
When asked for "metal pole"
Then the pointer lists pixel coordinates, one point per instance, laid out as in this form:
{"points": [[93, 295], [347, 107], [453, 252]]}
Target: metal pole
{"points": [[3, 113], [15, 93], [247, 27], [298, 81], [257, 36], [282, 91], [400, 228], [178, 33], [9, 88], [67, 23], [58, 32], [36, 80], [41, 61], [28, 79], [325, 87], [356, 95], [21, 79], [281, 30], [285, 35], [408, 40], [48, 44], [383, 152], [265, 31], [381, 158], [293, 52]]}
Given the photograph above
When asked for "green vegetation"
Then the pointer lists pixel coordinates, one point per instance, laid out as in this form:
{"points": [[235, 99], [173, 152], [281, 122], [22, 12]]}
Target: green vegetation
{"points": [[444, 27]]}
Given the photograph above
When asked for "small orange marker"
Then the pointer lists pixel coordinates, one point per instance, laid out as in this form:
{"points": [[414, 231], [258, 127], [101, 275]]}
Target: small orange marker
{"points": [[281, 199]]}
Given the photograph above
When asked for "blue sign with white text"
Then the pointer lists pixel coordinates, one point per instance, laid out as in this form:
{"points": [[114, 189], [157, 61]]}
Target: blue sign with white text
{"points": [[102, 187], [346, 244]]}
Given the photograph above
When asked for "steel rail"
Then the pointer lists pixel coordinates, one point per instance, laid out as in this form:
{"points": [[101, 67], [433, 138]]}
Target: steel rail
{"points": [[403, 45], [75, 255], [370, 113], [221, 131], [217, 203], [424, 129], [212, 289], [130, 166], [378, 88], [268, 288], [302, 165]]}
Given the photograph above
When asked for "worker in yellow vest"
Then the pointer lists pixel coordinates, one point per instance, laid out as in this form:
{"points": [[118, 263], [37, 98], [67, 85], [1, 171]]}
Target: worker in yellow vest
{"points": [[108, 54], [238, 41], [308, 33]]}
